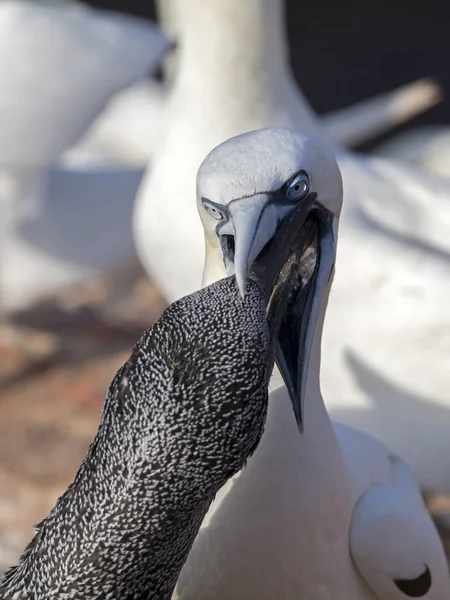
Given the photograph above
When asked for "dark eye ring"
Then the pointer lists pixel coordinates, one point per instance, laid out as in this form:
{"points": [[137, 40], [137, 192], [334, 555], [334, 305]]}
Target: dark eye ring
{"points": [[299, 187]]}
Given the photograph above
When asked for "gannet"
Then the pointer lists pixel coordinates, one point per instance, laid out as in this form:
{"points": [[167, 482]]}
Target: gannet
{"points": [[81, 58], [60, 64], [322, 510], [181, 416], [232, 77]]}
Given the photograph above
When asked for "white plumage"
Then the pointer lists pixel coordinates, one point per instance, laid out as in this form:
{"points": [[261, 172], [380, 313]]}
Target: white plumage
{"points": [[233, 77], [60, 63], [327, 513]]}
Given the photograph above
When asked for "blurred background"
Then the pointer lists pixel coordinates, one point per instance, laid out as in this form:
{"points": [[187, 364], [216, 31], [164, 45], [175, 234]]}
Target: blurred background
{"points": [[64, 330], [397, 42]]}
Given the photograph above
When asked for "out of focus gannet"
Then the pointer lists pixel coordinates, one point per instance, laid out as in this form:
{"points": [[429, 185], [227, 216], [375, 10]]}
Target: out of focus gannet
{"points": [[181, 416], [351, 125], [322, 510], [60, 64], [233, 76]]}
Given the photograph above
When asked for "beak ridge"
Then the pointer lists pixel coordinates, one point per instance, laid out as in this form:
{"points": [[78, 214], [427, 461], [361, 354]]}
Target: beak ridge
{"points": [[254, 225]]}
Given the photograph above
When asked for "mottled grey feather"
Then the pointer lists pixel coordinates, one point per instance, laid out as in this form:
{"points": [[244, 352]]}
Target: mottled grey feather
{"points": [[180, 417]]}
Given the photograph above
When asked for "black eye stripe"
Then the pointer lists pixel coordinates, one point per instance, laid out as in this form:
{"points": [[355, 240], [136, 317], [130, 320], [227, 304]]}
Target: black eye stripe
{"points": [[279, 196]]}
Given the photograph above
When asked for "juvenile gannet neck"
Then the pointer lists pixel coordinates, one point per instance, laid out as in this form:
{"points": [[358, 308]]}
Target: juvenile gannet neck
{"points": [[181, 416]]}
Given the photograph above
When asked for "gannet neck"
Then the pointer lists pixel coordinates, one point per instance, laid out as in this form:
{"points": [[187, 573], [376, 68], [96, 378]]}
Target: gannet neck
{"points": [[236, 54], [214, 267], [224, 34]]}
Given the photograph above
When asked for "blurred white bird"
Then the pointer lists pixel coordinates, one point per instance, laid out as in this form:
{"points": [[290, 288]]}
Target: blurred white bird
{"points": [[129, 130], [351, 125], [46, 111], [428, 147], [361, 122], [388, 313], [60, 64]]}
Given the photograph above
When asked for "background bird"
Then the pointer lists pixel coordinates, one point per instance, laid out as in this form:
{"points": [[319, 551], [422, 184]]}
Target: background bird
{"points": [[233, 76], [60, 64]]}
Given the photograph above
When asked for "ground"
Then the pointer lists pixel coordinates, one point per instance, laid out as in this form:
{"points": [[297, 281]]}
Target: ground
{"points": [[56, 362]]}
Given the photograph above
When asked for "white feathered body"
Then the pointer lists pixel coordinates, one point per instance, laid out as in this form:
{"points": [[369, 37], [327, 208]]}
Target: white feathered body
{"points": [[60, 63], [285, 527]]}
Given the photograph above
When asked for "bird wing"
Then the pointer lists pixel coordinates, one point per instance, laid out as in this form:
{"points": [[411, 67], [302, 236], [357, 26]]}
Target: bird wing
{"points": [[394, 543]]}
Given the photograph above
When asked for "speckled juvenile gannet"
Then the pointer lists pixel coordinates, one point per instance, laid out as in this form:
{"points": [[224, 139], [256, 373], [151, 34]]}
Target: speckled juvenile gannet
{"points": [[181, 416], [322, 510]]}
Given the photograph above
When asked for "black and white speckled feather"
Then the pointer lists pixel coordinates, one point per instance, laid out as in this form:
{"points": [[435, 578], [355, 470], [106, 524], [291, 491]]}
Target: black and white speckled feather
{"points": [[180, 417]]}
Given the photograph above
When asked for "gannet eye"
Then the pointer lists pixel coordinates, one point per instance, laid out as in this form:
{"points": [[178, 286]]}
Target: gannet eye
{"points": [[299, 187], [213, 211]]}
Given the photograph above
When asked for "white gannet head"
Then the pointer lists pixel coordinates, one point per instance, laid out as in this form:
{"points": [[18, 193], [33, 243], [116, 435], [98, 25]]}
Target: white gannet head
{"points": [[277, 194]]}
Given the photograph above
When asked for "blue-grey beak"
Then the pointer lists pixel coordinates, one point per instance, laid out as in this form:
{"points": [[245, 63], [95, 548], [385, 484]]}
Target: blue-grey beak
{"points": [[292, 258], [252, 223]]}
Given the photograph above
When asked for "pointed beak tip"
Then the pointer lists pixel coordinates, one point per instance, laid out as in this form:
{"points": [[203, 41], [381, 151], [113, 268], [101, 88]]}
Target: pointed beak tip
{"points": [[241, 280], [299, 419], [298, 411], [242, 290]]}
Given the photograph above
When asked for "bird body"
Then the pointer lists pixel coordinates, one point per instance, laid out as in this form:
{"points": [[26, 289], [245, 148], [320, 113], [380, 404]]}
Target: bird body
{"points": [[327, 511], [233, 77], [287, 526], [60, 64]]}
